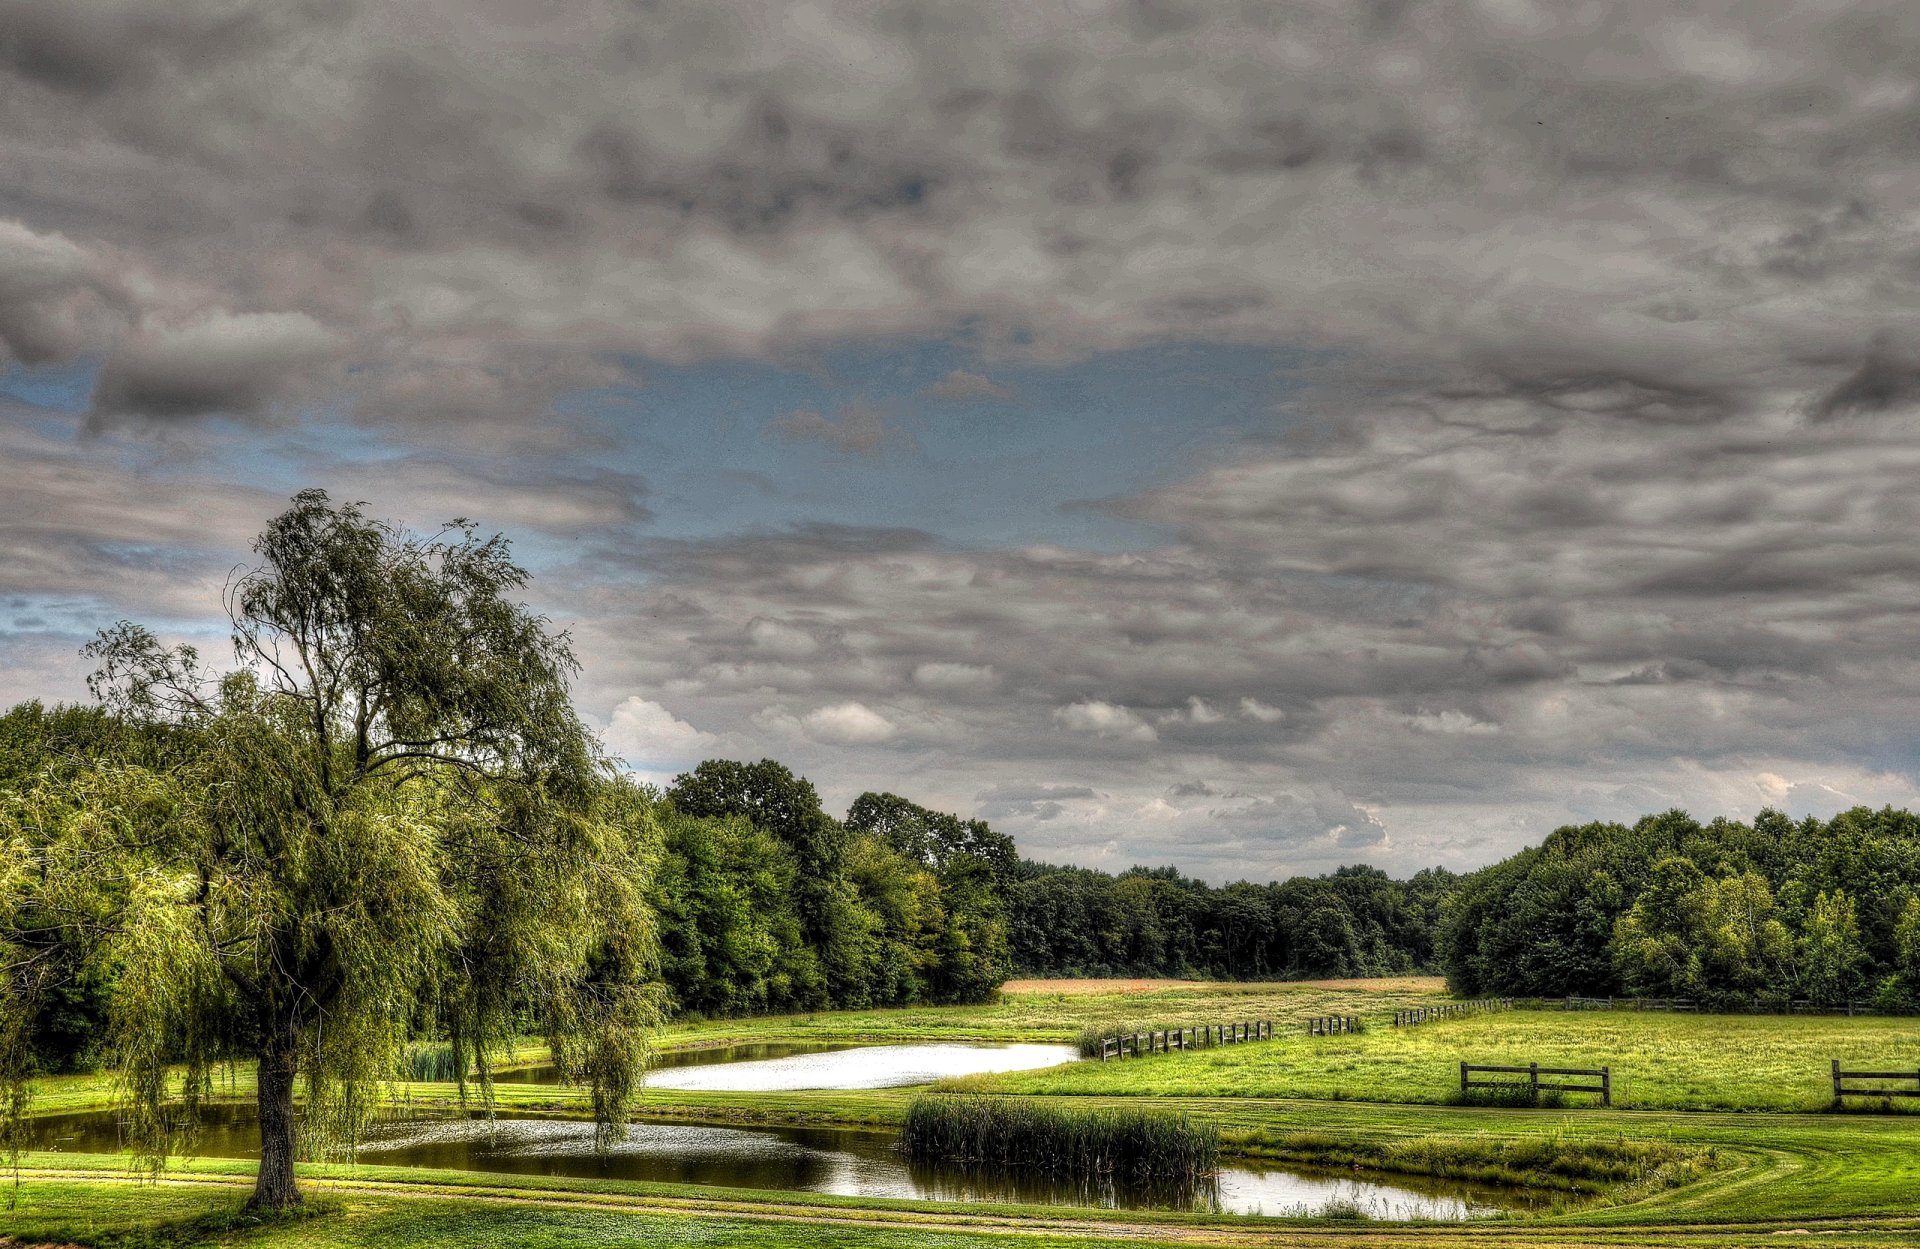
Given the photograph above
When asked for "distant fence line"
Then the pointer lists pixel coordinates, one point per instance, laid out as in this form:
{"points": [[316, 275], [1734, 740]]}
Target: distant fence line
{"points": [[1753, 1006], [1450, 1010], [1840, 1088], [1533, 1085], [1166, 1040]]}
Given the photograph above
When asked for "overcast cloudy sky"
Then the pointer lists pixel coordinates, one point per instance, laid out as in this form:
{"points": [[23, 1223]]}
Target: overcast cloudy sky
{"points": [[1253, 436]]}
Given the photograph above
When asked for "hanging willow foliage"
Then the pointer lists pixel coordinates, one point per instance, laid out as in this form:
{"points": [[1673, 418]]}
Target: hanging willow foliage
{"points": [[390, 800]]}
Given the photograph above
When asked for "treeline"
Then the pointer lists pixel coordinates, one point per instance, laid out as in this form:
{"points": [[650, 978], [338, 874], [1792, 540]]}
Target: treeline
{"points": [[766, 903], [1070, 921], [1731, 915], [762, 902]]}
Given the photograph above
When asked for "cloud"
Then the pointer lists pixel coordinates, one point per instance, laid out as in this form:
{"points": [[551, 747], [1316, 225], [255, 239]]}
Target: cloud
{"points": [[955, 678], [1887, 379], [848, 724], [48, 288], [1104, 720], [858, 429], [962, 385], [1254, 709], [1449, 721], [651, 738], [214, 363], [1197, 711]]}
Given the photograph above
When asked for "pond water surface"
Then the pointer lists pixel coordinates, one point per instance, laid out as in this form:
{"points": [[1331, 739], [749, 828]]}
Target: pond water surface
{"points": [[791, 1066], [847, 1162]]}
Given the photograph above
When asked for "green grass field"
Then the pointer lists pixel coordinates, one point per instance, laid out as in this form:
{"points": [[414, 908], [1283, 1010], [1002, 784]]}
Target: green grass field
{"points": [[1659, 1061], [1724, 1137]]}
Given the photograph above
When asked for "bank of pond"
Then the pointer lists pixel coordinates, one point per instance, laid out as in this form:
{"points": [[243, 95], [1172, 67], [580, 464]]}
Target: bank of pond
{"points": [[839, 1161], [955, 1149]]}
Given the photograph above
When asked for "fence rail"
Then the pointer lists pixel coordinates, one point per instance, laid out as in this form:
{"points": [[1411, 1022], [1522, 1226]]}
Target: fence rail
{"points": [[1533, 1072], [1450, 1010], [1841, 1090], [1722, 1006], [1332, 1025], [1166, 1040]]}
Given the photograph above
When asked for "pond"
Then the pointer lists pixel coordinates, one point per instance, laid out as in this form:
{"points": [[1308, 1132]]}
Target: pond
{"points": [[791, 1066], [847, 1162]]}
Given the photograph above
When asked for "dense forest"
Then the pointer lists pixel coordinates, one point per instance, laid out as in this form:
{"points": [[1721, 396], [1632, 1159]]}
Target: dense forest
{"points": [[1732, 915], [1069, 921]]}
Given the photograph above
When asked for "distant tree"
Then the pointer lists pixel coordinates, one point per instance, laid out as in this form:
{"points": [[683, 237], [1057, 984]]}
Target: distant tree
{"points": [[1905, 990], [975, 867], [1325, 944], [1832, 960], [933, 838], [390, 792], [772, 798], [1658, 943]]}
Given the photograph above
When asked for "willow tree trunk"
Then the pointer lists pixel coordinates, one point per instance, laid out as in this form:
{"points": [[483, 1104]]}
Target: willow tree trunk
{"points": [[276, 1188]]}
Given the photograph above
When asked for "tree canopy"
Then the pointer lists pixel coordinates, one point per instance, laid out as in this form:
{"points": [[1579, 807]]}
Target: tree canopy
{"points": [[388, 796], [1727, 913]]}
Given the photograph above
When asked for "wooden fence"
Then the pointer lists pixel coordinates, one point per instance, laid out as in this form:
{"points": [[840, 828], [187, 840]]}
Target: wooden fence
{"points": [[1841, 1090], [1450, 1010], [1753, 1006], [1332, 1025], [1533, 1072], [1166, 1040]]}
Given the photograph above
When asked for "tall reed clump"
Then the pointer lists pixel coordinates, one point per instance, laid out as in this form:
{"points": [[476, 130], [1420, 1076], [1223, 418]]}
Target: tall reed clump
{"points": [[1017, 1134], [435, 1061]]}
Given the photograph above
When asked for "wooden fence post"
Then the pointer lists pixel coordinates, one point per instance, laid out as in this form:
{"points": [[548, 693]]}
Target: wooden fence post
{"points": [[1534, 1068], [1463, 1078], [1606, 1085], [1836, 1079]]}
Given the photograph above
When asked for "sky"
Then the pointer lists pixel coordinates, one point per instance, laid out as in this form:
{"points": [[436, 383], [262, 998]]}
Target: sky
{"points": [[1253, 437]]}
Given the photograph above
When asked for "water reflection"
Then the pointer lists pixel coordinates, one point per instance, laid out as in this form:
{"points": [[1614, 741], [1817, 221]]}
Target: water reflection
{"points": [[818, 1160], [815, 1066]]}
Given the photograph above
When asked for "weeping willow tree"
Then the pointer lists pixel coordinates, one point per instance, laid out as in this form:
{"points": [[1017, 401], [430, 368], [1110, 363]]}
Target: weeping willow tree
{"points": [[388, 800]]}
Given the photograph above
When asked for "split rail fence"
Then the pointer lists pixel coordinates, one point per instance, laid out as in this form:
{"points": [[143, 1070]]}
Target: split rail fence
{"points": [[1632, 1003], [1166, 1040], [1427, 1014], [1840, 1078], [1533, 1072]]}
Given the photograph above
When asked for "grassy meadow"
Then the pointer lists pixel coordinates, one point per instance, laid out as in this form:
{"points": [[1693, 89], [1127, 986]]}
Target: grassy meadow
{"points": [[1721, 1135], [1659, 1061]]}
